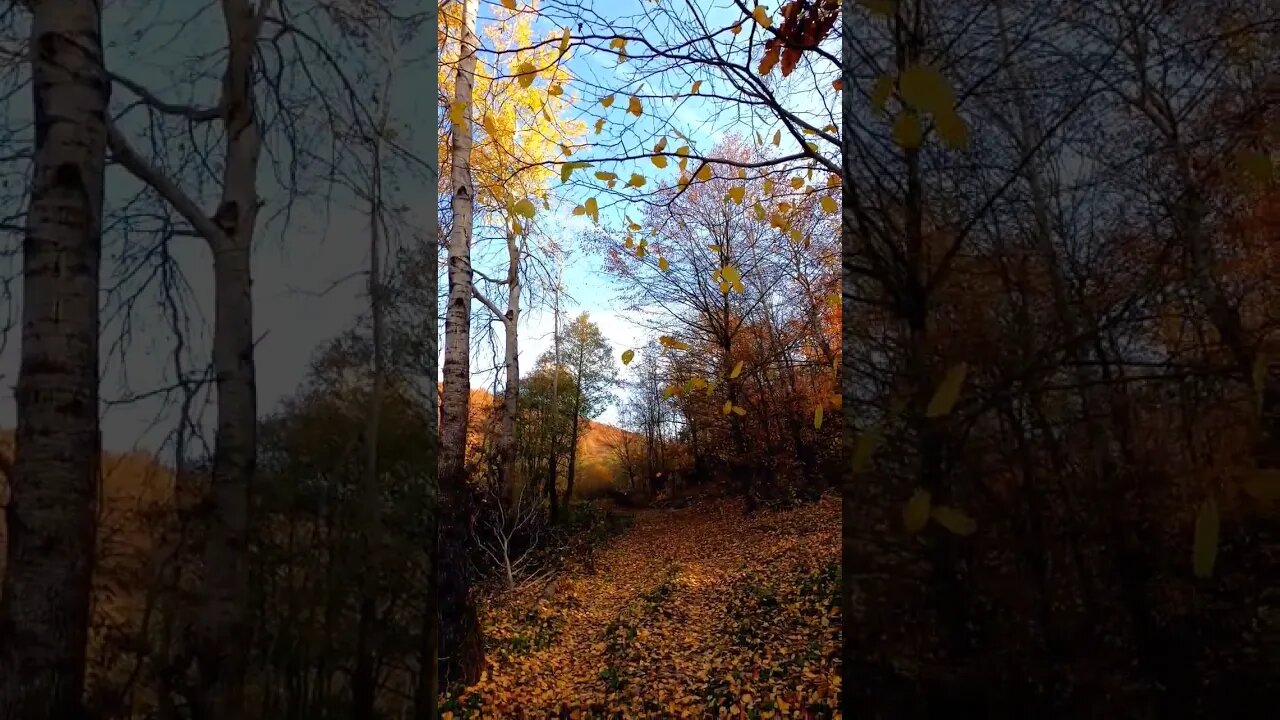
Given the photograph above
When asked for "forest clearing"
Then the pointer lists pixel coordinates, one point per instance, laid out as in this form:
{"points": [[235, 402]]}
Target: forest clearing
{"points": [[692, 612]]}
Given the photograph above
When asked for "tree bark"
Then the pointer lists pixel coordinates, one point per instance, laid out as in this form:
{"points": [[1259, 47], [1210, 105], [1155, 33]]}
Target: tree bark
{"points": [[51, 517], [461, 646], [221, 613]]}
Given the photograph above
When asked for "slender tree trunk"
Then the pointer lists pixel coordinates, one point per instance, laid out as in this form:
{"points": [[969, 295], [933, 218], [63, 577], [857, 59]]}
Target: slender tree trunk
{"points": [[571, 461], [553, 458], [461, 646], [51, 517], [221, 627], [364, 679]]}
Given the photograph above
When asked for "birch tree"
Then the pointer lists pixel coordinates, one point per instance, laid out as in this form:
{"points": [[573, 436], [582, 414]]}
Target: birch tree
{"points": [[52, 509]]}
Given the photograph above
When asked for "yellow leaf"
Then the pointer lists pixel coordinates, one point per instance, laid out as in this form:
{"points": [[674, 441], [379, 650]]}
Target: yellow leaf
{"points": [[606, 101], [739, 410], [925, 89], [915, 514], [1204, 550], [865, 448], [637, 180], [881, 91], [768, 186], [953, 519], [817, 418], [728, 407], [797, 183], [1265, 485], [736, 194], [737, 370], [674, 344], [567, 169], [565, 38], [829, 205], [458, 112], [759, 210], [524, 208], [951, 128], [628, 356], [659, 161], [634, 107], [555, 89], [944, 398], [509, 4], [761, 15], [606, 176], [697, 85], [599, 125], [663, 264], [736, 29], [704, 173], [527, 73], [907, 132], [1256, 166], [879, 7], [777, 138]]}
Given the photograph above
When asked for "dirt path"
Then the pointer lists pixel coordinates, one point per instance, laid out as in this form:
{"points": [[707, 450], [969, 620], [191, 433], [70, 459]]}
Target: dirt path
{"points": [[697, 612]]}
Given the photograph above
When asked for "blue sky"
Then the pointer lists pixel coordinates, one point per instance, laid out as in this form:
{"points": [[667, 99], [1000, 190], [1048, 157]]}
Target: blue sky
{"points": [[701, 120]]}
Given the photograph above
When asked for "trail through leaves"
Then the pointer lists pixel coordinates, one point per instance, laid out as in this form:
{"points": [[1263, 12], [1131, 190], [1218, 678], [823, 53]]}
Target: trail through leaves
{"points": [[696, 612]]}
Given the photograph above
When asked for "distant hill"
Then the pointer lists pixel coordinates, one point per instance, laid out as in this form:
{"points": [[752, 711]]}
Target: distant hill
{"points": [[599, 465]]}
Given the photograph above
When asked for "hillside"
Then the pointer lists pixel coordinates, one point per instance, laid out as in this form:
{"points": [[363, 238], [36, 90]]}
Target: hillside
{"points": [[600, 465]]}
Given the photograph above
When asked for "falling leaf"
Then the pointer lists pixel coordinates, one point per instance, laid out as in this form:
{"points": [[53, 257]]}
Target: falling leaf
{"points": [[1204, 550], [637, 180], [951, 129], [777, 138], [728, 407], [907, 132], [635, 107], [759, 210], [915, 513], [704, 173], [674, 344], [865, 448], [1264, 485], [953, 519], [659, 161], [599, 125], [737, 370], [527, 73], [524, 208], [736, 194], [1256, 166], [838, 84], [607, 101], [509, 4], [627, 357], [817, 418], [663, 264], [565, 38], [828, 204], [944, 398], [697, 86], [458, 112], [925, 89], [881, 91], [739, 410], [567, 169], [761, 15], [606, 176]]}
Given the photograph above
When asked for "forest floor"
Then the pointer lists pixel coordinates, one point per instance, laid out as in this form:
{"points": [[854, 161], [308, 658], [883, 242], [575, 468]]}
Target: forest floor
{"points": [[696, 612]]}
